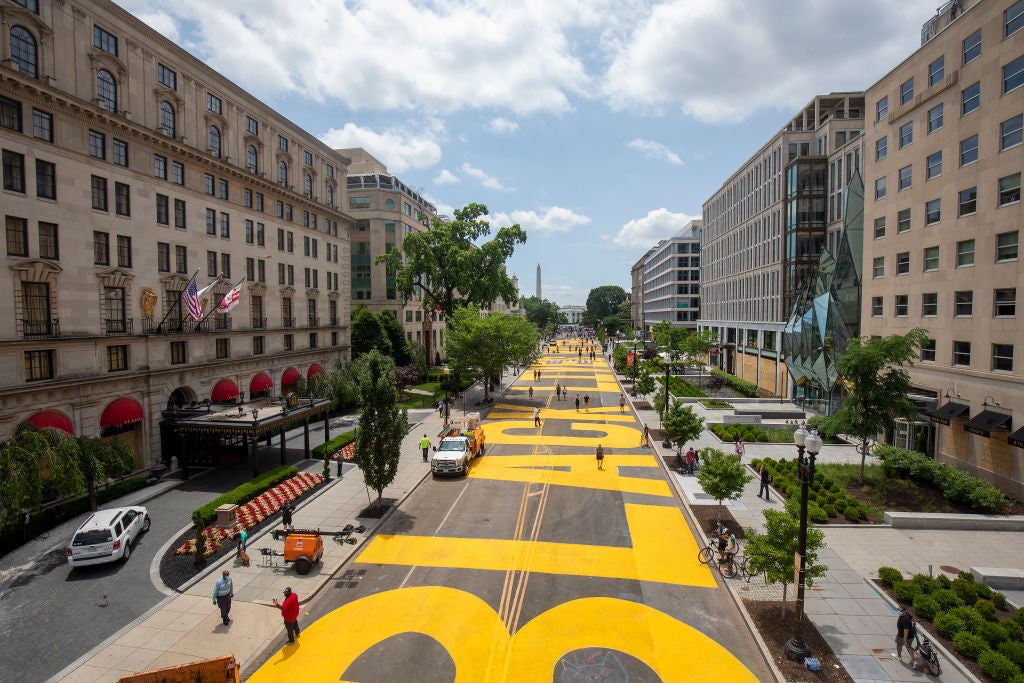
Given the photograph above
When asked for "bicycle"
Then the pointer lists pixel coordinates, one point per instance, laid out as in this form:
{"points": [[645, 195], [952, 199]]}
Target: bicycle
{"points": [[729, 567], [747, 570]]}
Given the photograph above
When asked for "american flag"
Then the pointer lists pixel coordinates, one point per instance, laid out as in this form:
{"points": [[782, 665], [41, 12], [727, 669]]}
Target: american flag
{"points": [[230, 299], [190, 299]]}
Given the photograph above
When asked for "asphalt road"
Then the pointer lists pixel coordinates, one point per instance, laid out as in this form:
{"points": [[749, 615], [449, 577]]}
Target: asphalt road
{"points": [[536, 566]]}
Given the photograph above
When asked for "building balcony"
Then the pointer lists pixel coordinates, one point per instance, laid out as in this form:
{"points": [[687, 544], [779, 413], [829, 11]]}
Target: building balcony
{"points": [[313, 321], [118, 326], [221, 322], [259, 323], [35, 329], [288, 322]]}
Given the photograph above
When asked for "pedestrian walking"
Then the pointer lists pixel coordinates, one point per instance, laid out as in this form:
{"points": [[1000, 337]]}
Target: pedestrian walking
{"points": [[766, 480], [586, 403], [577, 402], [536, 417], [222, 594], [558, 390], [905, 634], [600, 457], [440, 408], [740, 448], [290, 613], [691, 460], [425, 446], [286, 515], [565, 393], [622, 403], [539, 374]]}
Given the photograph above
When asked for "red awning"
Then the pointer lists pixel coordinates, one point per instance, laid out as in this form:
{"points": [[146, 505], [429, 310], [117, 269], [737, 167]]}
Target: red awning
{"points": [[290, 376], [224, 390], [51, 418], [260, 382], [314, 369], [123, 411]]}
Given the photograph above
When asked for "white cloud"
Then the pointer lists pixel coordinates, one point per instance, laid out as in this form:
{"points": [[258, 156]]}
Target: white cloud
{"points": [[656, 150], [502, 125], [446, 177], [399, 149], [720, 61], [550, 219], [486, 180], [644, 233]]}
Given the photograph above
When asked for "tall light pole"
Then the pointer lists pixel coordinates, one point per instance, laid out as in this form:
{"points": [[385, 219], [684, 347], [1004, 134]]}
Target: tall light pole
{"points": [[807, 446], [636, 340], [447, 375]]}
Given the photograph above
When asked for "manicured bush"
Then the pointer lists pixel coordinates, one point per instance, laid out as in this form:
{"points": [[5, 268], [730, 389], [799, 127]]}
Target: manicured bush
{"points": [[1013, 630], [972, 620], [906, 591], [969, 645], [966, 591], [1018, 616], [816, 514], [334, 445], [926, 583], [947, 600], [949, 624], [983, 590], [855, 513], [966, 576], [246, 492], [680, 387], [1014, 651], [741, 387], [986, 609], [830, 511], [926, 607], [998, 667], [999, 600], [992, 633], [957, 486], [890, 576], [840, 506], [943, 581]]}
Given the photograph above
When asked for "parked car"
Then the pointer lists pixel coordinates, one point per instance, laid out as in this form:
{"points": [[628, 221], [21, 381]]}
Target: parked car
{"points": [[107, 535]]}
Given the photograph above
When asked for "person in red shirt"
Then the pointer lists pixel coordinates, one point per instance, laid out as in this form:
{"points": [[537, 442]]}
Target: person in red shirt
{"points": [[290, 611]]}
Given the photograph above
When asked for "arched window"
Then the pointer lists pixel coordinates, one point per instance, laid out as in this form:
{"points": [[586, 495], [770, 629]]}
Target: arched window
{"points": [[23, 51], [251, 158], [215, 141], [307, 184], [282, 172], [106, 90], [167, 119]]}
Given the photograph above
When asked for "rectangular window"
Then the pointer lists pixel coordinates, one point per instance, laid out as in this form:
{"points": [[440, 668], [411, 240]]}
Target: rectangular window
{"points": [[211, 222], [903, 221], [122, 199], [968, 201], [179, 213], [907, 91], [282, 143], [211, 264], [1013, 18], [934, 163], [962, 353], [906, 134], [928, 351], [932, 212], [225, 265], [935, 118], [99, 193], [213, 103], [208, 184], [937, 71], [124, 251], [1009, 189], [46, 179], [163, 257], [880, 188], [901, 305], [257, 346], [261, 270], [260, 235], [10, 114], [965, 253], [225, 225], [881, 148], [250, 269], [14, 171], [880, 227], [881, 109], [117, 358], [160, 166], [279, 209], [280, 274], [1006, 246], [1002, 357], [223, 348], [878, 267], [166, 76], [1010, 132], [177, 173], [259, 201], [100, 248], [252, 126], [180, 259], [97, 145], [931, 259], [903, 263], [1013, 75], [307, 157], [1004, 302], [42, 125], [119, 152], [970, 98], [103, 40], [906, 177], [929, 304], [38, 365], [969, 150], [972, 47], [963, 303], [163, 210], [48, 241], [289, 342], [250, 237], [359, 202], [222, 188], [877, 308], [179, 355], [290, 242], [247, 198], [17, 236]]}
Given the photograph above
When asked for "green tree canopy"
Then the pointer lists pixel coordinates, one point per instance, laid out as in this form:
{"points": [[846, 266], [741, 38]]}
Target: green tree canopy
{"points": [[644, 384], [875, 371], [774, 551], [485, 345], [382, 424], [721, 475], [603, 305], [541, 312], [396, 336], [368, 333], [98, 459], [449, 266], [682, 421]]}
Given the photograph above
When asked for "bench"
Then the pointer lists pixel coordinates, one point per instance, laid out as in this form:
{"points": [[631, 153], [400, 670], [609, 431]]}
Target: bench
{"points": [[1000, 578], [741, 419], [952, 520]]}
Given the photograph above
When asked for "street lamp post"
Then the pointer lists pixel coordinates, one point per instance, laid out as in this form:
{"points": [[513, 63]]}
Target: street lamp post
{"points": [[636, 340], [447, 375], [807, 446]]}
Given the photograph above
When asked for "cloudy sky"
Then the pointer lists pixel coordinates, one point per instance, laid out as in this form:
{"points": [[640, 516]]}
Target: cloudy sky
{"points": [[600, 126]]}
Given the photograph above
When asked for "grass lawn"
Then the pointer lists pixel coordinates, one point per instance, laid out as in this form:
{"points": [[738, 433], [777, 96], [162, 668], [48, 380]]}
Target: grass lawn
{"points": [[430, 387], [420, 401], [878, 493]]}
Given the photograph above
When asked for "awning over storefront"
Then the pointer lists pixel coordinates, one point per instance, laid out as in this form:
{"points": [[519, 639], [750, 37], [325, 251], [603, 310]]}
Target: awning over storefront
{"points": [[944, 413], [223, 391], [1017, 438], [314, 369], [986, 422], [261, 382], [290, 376], [121, 412], [51, 418]]}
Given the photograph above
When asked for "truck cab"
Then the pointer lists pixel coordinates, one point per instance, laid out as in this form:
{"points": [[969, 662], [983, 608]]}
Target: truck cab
{"points": [[456, 450]]}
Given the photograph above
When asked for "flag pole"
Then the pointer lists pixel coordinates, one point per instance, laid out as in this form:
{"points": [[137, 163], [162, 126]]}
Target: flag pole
{"points": [[177, 304], [214, 308]]}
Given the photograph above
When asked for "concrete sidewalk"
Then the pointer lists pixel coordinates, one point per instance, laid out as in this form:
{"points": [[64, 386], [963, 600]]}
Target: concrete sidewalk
{"points": [[186, 626], [849, 612]]}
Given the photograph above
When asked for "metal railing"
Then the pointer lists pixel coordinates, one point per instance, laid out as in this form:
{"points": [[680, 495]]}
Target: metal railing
{"points": [[115, 326], [40, 328]]}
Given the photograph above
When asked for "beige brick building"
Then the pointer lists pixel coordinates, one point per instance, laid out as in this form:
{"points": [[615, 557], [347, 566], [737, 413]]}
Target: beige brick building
{"points": [[942, 223], [128, 165]]}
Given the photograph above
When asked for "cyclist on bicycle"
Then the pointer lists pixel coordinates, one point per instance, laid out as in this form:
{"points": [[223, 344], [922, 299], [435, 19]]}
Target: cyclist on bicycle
{"points": [[726, 544]]}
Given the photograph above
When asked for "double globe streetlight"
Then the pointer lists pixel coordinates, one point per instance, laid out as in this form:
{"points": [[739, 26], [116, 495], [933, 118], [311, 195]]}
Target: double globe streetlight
{"points": [[808, 445]]}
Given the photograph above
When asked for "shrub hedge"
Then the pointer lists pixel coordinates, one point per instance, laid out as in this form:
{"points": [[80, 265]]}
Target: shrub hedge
{"points": [[824, 493], [334, 445], [680, 387], [956, 485], [741, 387], [246, 492]]}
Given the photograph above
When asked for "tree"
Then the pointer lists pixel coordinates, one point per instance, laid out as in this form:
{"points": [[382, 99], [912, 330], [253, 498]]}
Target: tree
{"points": [[368, 333], [396, 336], [406, 376], [721, 475], [418, 352], [485, 345], [774, 551], [448, 267], [382, 424], [603, 305], [696, 347], [98, 459], [32, 462], [681, 421], [875, 371], [665, 334], [541, 312], [644, 383]]}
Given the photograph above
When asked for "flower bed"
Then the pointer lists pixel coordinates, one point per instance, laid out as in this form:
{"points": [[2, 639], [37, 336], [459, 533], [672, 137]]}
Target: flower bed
{"points": [[255, 511]]}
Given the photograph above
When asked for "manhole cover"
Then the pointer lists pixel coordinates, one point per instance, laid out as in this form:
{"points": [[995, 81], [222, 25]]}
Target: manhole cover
{"points": [[949, 570]]}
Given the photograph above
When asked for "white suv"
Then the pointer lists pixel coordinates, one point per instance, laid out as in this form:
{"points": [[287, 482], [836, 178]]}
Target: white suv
{"points": [[107, 535]]}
